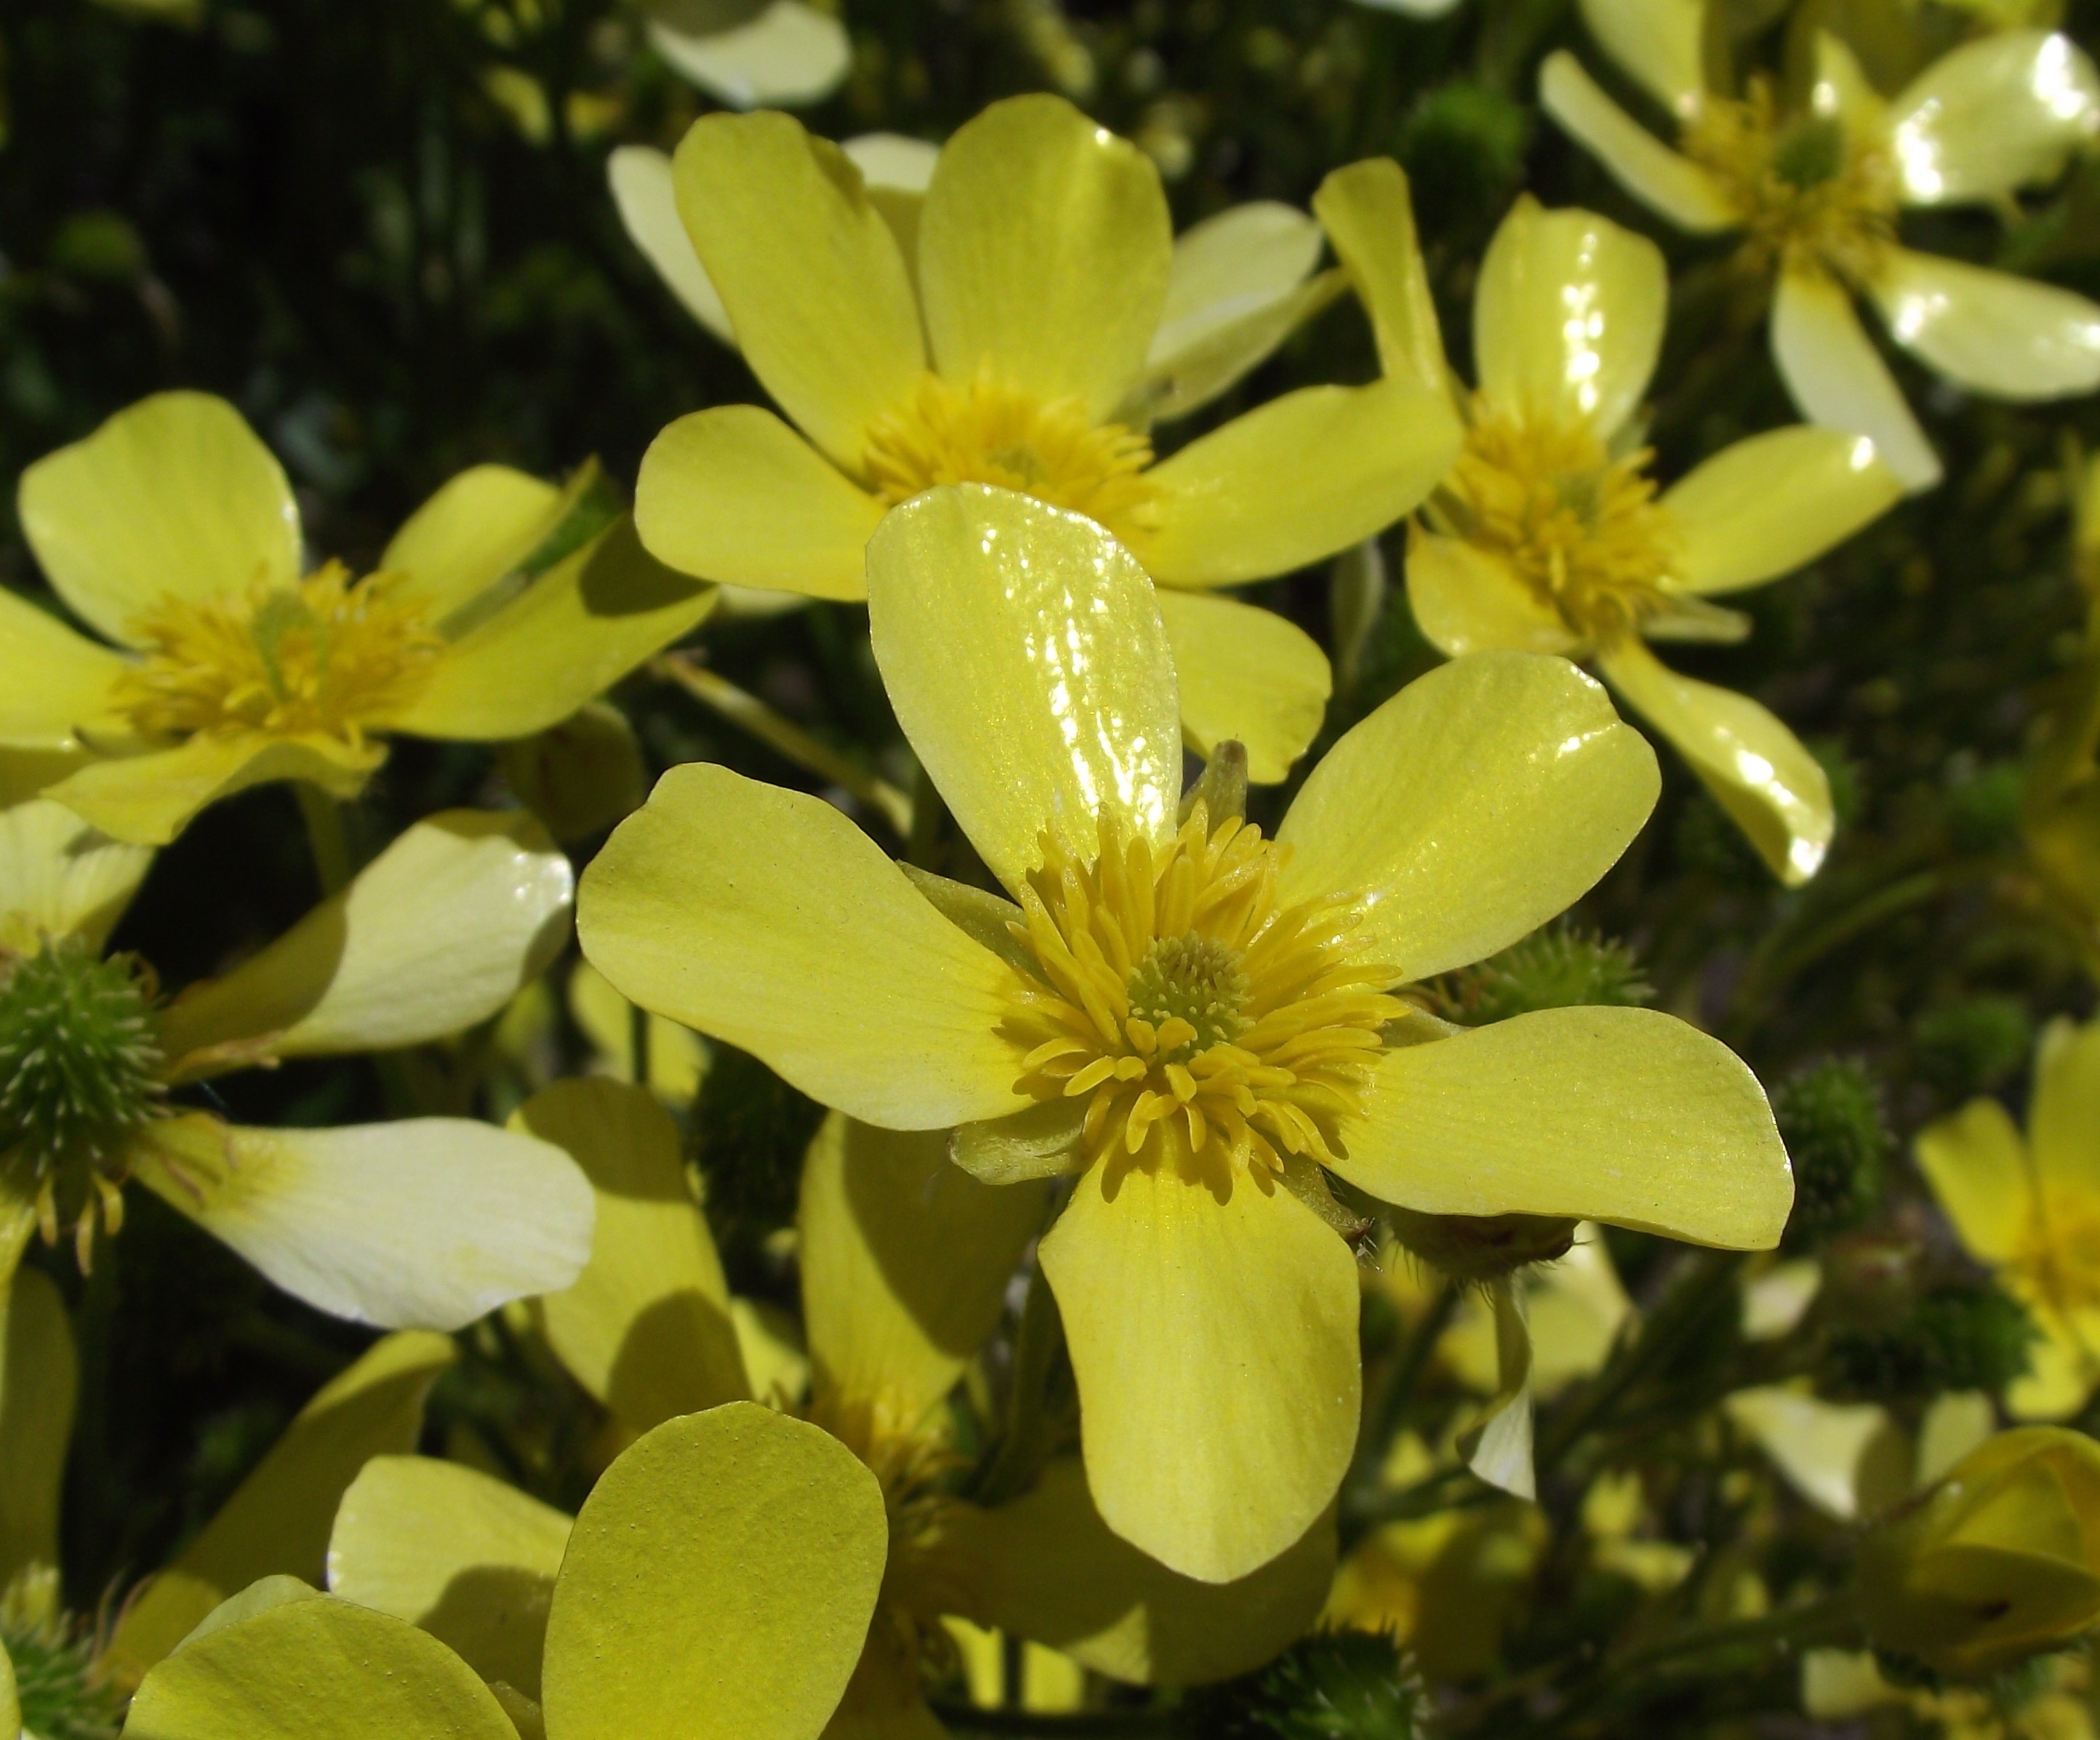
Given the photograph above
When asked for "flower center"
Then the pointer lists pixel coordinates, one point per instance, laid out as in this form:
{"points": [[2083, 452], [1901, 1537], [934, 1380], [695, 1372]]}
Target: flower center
{"points": [[1213, 1029], [1583, 529], [80, 1072], [327, 657], [2058, 1257], [988, 432]]}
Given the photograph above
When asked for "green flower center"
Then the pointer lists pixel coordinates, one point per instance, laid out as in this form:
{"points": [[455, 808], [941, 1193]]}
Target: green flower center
{"points": [[1809, 153], [1192, 978], [63, 1696]]}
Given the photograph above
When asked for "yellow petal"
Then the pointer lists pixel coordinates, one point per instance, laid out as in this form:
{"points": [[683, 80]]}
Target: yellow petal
{"points": [[1214, 1345], [1295, 480], [771, 1344], [733, 494], [2001, 112], [58, 877], [1836, 1456], [789, 54], [436, 933], [1369, 215], [172, 496], [2062, 1369], [677, 1056], [449, 1548], [316, 1670], [1625, 1115], [1766, 506], [54, 684], [1024, 656], [1247, 675], [1567, 316], [1052, 1571], [905, 1264], [1466, 599], [151, 798], [1836, 1683], [426, 1221], [884, 1700], [718, 1585], [1757, 771], [1659, 42], [39, 1383], [2001, 336], [1665, 181], [277, 1523], [1041, 1142], [1976, 1166], [1842, 90], [11, 1707], [810, 273], [1835, 375], [648, 206], [1480, 802], [1496, 1446], [1044, 252], [767, 919], [646, 1329], [479, 527], [1954, 1424], [572, 633], [2063, 1122]]}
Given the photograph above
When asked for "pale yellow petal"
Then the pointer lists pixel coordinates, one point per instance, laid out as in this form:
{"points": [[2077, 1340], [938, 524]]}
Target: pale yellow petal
{"points": [[55, 684], [468, 1559], [437, 933], [1624, 1115], [1044, 252], [1466, 599], [1955, 1423], [1214, 1345], [1247, 675], [810, 273], [1295, 480], [479, 527], [885, 1699], [1659, 42], [2063, 1121], [1480, 802], [767, 919], [1369, 214], [1758, 770], [1841, 91], [2002, 336], [429, 1222], [11, 1707], [677, 1056], [1567, 316], [640, 176], [58, 877], [788, 53], [1769, 504], [646, 1329], [1665, 181], [39, 1383], [150, 798], [2062, 1366], [1023, 651], [1835, 375], [746, 1549], [277, 1523], [905, 1264], [733, 494], [1998, 113], [1827, 1450], [173, 497], [1976, 1166], [1836, 1683]]}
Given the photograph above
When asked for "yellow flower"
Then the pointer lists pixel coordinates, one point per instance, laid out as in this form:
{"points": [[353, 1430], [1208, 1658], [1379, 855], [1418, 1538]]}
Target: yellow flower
{"points": [[1818, 193], [1549, 534], [429, 1220], [1218, 1005], [1023, 326], [2030, 1210], [172, 531], [752, 51]]}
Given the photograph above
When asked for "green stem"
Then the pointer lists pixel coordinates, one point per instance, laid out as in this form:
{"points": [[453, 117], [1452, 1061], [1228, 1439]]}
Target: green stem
{"points": [[1020, 1453], [922, 848], [326, 838]]}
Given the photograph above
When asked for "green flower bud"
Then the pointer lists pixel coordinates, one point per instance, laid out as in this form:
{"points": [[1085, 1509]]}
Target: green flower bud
{"points": [[1559, 968], [61, 1690], [1333, 1685], [1829, 1115]]}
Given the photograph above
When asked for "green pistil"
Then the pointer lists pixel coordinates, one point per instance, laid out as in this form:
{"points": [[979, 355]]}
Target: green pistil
{"points": [[63, 1698], [1809, 153], [1196, 979]]}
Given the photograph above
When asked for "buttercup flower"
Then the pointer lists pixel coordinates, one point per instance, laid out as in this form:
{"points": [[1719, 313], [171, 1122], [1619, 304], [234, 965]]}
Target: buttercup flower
{"points": [[427, 1221], [1818, 195], [172, 531], [2030, 1210], [1004, 331], [1190, 1019], [1548, 534]]}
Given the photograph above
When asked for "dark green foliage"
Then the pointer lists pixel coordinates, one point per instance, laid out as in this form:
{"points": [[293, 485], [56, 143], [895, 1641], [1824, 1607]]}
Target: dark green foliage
{"points": [[1830, 1117], [1977, 1044], [1333, 1685], [749, 1132], [1557, 968], [1959, 1335]]}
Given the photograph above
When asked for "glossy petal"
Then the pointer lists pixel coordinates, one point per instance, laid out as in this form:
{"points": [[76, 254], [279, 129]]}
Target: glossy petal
{"points": [[766, 918], [1835, 375], [1369, 214], [1480, 802], [1295, 480], [428, 1222], [277, 1523], [733, 494], [54, 684], [1567, 316], [1227, 1330], [39, 1383], [1665, 181], [1658, 42], [1054, 1573], [2002, 336], [1993, 115], [1769, 504], [1624, 1115], [151, 798], [2064, 1118], [479, 527], [1044, 252], [747, 1548], [640, 176], [789, 54], [1758, 770], [436, 933], [1842, 92], [808, 271], [58, 877], [455, 1551], [646, 1329], [1024, 656], [1976, 1166], [905, 1264], [172, 496], [1248, 675], [1466, 599]]}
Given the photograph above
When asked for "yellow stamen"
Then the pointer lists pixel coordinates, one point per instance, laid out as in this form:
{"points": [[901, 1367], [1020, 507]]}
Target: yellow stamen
{"points": [[2058, 1260]]}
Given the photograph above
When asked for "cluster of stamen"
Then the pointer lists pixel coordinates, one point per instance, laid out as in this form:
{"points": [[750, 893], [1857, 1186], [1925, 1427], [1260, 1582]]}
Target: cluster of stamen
{"points": [[1211, 1029], [328, 657], [2057, 1261], [986, 431]]}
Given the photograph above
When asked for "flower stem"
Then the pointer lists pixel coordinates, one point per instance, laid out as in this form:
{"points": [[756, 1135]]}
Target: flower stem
{"points": [[326, 838]]}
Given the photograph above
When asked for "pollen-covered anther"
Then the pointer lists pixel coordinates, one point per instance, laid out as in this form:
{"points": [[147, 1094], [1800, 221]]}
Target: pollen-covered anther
{"points": [[1213, 1029]]}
